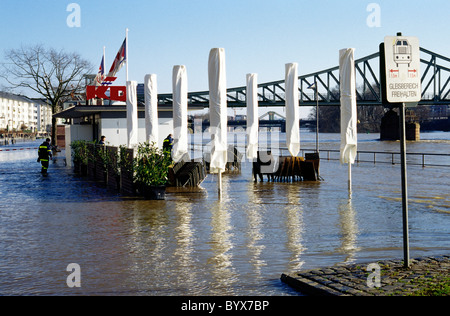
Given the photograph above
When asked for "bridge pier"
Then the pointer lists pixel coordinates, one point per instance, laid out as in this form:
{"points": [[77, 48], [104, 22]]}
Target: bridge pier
{"points": [[390, 128]]}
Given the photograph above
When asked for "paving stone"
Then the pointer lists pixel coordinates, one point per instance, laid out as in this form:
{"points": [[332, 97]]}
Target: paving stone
{"points": [[352, 280]]}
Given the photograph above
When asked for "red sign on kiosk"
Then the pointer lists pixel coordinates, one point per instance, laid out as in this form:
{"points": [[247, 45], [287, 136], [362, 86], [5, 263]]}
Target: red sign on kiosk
{"points": [[116, 93]]}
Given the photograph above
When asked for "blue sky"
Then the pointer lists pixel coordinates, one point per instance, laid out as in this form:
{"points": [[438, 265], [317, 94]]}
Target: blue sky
{"points": [[259, 36]]}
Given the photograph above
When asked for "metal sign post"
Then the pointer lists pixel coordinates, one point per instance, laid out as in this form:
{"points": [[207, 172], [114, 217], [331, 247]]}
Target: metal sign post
{"points": [[403, 85], [404, 186]]}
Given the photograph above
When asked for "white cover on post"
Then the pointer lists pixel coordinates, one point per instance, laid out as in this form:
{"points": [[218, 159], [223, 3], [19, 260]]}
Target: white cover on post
{"points": [[180, 119], [292, 111], [132, 114], [217, 109], [252, 116], [151, 109], [348, 105]]}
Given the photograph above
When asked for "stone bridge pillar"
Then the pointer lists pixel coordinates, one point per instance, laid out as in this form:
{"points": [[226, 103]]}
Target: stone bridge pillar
{"points": [[390, 128]]}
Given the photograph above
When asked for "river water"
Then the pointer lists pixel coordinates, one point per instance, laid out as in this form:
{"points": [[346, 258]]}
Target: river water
{"points": [[194, 243]]}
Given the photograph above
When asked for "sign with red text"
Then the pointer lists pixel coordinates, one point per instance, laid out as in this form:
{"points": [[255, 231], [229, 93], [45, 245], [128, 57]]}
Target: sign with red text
{"points": [[116, 93]]}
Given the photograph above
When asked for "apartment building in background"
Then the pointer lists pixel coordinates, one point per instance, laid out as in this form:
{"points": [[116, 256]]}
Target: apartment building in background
{"points": [[19, 113]]}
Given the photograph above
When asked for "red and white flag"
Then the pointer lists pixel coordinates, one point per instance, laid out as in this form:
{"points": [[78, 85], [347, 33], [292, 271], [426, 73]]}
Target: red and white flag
{"points": [[101, 73], [120, 59]]}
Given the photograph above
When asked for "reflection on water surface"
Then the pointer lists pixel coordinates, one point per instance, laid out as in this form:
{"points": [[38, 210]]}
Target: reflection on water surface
{"points": [[195, 244]]}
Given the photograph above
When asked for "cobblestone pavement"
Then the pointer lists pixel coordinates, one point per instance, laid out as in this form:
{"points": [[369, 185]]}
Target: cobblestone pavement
{"points": [[384, 278]]}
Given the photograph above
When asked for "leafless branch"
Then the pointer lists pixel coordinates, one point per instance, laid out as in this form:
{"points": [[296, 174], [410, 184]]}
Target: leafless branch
{"points": [[53, 74]]}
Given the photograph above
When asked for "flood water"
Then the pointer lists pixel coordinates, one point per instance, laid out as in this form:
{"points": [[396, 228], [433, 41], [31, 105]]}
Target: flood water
{"points": [[194, 243]]}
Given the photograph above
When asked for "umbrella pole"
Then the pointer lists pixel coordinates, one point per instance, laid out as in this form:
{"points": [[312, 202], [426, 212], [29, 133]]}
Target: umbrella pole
{"points": [[350, 180], [219, 184]]}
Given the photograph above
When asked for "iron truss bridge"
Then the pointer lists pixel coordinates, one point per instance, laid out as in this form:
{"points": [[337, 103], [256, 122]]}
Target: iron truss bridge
{"points": [[435, 70]]}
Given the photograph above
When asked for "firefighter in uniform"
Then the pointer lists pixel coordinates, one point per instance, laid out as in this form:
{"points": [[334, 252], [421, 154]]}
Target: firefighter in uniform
{"points": [[167, 145], [45, 154]]}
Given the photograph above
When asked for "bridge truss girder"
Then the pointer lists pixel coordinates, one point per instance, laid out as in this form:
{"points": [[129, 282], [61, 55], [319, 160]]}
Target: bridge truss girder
{"points": [[435, 79]]}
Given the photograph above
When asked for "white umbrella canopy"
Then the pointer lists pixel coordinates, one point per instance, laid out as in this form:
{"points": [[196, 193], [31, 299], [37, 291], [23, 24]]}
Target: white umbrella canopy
{"points": [[218, 109], [348, 106], [151, 108], [132, 114], [180, 119], [252, 116], [292, 110], [218, 113], [349, 140]]}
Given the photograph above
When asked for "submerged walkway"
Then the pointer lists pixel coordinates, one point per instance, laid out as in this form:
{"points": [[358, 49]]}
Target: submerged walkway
{"points": [[354, 280]]}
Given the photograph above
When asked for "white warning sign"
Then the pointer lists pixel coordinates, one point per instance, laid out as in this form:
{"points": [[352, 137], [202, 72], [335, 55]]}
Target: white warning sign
{"points": [[402, 55]]}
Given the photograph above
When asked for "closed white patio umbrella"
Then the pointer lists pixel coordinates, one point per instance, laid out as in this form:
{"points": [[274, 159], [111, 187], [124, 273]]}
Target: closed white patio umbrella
{"points": [[218, 112], [349, 139], [151, 109], [132, 114], [292, 111], [252, 116], [180, 119]]}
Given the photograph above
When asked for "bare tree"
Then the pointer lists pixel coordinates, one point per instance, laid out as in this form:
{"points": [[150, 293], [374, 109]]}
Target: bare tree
{"points": [[54, 75], [369, 116]]}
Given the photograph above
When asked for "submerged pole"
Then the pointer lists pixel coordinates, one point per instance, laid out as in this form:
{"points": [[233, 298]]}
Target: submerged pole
{"points": [[219, 184], [349, 180], [404, 186], [317, 117]]}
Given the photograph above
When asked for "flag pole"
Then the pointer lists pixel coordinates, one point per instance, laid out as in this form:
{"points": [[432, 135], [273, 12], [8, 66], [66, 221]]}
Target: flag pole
{"points": [[104, 69], [126, 49], [104, 63]]}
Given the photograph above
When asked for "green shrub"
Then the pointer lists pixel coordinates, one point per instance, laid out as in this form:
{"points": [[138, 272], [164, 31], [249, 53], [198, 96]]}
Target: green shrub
{"points": [[151, 166]]}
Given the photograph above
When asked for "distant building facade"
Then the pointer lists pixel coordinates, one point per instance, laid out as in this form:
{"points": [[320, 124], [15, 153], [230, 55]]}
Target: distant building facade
{"points": [[21, 113]]}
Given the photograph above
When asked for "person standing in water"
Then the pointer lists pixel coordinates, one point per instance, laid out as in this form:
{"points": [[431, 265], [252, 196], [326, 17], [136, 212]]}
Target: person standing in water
{"points": [[45, 154]]}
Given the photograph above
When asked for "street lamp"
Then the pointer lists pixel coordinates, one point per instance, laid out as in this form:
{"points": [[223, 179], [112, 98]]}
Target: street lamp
{"points": [[316, 95]]}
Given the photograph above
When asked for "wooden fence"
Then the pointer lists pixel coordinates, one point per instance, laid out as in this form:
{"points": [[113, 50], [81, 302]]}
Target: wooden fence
{"points": [[104, 166], [113, 167]]}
